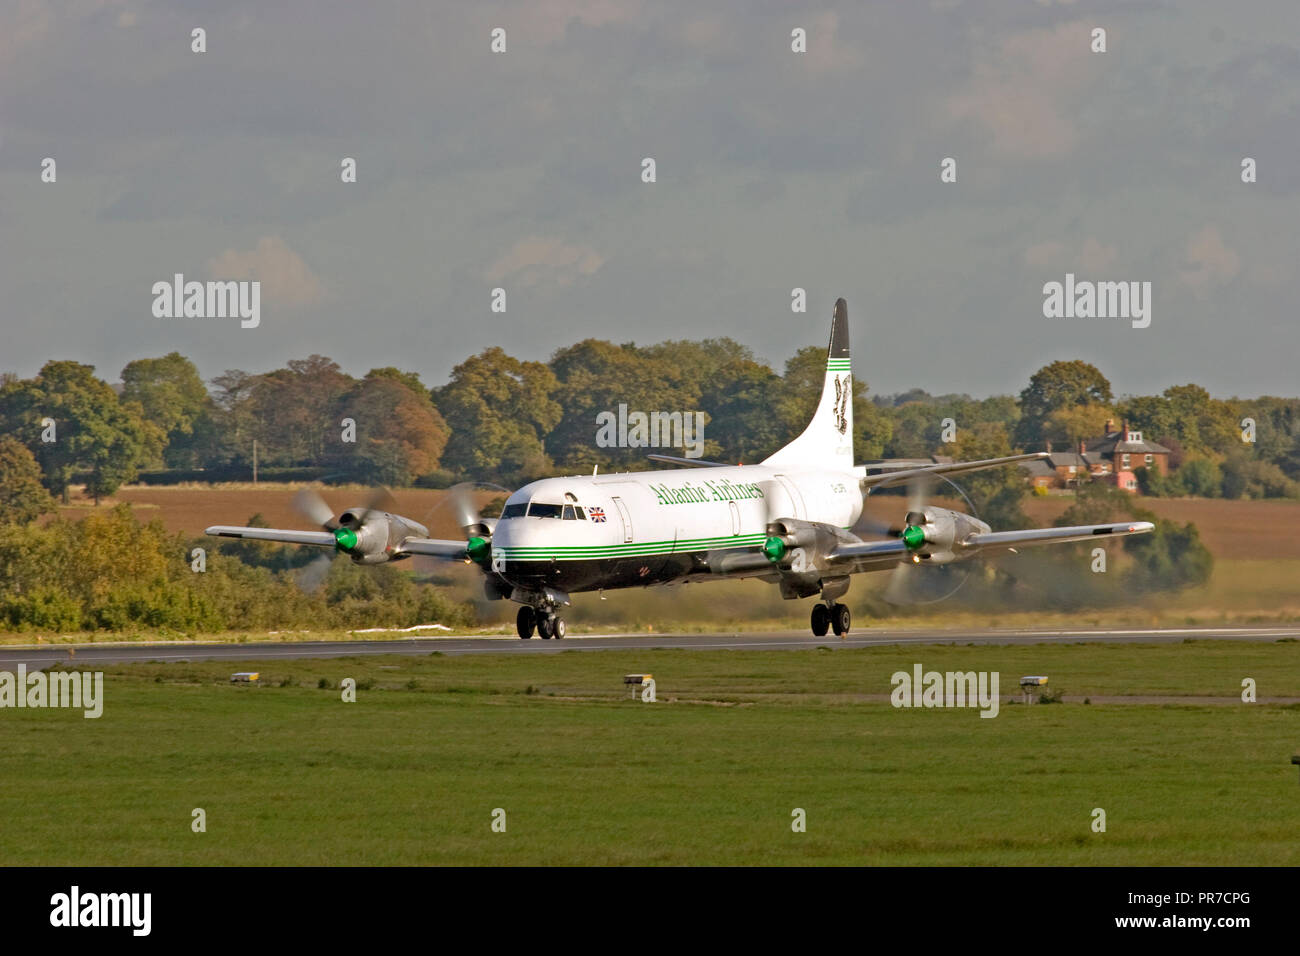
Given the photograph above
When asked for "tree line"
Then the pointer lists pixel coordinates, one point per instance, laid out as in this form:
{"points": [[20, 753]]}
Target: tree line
{"points": [[508, 420]]}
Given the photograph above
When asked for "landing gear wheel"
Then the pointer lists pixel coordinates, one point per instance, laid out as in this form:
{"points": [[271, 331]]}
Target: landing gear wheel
{"points": [[560, 628], [840, 619], [545, 627], [525, 621], [821, 619]]}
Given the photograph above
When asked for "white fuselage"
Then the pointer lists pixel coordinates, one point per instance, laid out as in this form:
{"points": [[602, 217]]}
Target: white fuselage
{"points": [[653, 527]]}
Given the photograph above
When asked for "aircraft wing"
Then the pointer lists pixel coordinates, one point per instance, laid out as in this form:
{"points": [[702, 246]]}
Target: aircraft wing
{"points": [[892, 547], [1084, 532], [435, 547], [452, 550], [888, 478], [881, 551], [322, 539]]}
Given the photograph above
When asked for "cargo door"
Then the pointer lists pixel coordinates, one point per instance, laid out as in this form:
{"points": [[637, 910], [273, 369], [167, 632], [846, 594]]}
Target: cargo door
{"points": [[625, 517], [796, 499]]}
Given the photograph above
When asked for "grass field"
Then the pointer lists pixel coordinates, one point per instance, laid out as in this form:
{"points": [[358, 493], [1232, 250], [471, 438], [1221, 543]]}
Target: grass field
{"points": [[410, 774]]}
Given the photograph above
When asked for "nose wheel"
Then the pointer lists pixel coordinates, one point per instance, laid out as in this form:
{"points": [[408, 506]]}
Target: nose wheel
{"points": [[834, 617]]}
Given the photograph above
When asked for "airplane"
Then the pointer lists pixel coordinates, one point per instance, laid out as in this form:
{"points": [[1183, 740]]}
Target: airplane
{"points": [[785, 521]]}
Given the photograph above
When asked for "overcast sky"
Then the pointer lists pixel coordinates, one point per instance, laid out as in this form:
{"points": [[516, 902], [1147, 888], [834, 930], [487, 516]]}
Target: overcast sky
{"points": [[775, 170]]}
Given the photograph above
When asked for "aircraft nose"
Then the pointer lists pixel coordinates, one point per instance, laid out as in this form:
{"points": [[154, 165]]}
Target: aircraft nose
{"points": [[503, 535]]}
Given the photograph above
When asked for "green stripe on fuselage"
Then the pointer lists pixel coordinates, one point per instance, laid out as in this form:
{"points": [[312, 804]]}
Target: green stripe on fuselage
{"points": [[629, 550]]}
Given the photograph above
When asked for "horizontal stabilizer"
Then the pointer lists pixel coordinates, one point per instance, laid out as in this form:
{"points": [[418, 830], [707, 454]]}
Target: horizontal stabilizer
{"points": [[687, 462], [902, 477]]}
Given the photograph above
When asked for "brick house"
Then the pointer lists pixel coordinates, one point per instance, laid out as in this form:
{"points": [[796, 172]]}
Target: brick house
{"points": [[1112, 458], [1118, 453]]}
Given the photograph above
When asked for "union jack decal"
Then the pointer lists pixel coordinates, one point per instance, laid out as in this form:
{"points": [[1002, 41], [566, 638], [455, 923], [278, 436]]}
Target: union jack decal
{"points": [[597, 514]]}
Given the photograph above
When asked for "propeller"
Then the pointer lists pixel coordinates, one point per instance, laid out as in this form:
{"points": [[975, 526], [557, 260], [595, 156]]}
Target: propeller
{"points": [[380, 500], [911, 584], [871, 525], [465, 512], [309, 503], [312, 576]]}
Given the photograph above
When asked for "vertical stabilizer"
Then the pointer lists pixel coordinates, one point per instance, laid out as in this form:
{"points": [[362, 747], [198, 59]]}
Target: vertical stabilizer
{"points": [[827, 442]]}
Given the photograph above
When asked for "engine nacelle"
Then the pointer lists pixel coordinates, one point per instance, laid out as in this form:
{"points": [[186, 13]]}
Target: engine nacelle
{"points": [[937, 534], [796, 544], [375, 539]]}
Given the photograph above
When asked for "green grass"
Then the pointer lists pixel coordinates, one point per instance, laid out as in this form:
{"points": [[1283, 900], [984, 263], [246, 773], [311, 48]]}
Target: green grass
{"points": [[410, 773]]}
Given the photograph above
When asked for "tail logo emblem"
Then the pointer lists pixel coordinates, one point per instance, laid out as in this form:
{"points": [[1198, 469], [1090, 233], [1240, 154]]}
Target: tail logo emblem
{"points": [[842, 390]]}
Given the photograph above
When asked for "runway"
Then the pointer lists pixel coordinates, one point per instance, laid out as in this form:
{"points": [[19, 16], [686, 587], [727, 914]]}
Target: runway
{"points": [[106, 653]]}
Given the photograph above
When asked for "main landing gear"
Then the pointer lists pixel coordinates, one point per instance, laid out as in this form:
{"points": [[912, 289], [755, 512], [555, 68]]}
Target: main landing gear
{"points": [[545, 620], [827, 617]]}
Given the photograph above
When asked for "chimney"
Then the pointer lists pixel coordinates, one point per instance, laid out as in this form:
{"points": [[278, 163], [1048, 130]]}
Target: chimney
{"points": [[1125, 436], [1049, 447], [1110, 425], [1083, 448]]}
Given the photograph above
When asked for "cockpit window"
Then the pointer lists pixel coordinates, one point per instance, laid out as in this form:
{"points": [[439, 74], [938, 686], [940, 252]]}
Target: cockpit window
{"points": [[516, 510], [539, 510], [581, 516], [568, 513]]}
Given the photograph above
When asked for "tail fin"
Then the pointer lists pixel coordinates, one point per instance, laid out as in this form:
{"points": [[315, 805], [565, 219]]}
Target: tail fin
{"points": [[827, 442]]}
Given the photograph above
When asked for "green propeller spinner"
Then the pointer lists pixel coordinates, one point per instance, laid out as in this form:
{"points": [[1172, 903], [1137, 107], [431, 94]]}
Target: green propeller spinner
{"points": [[478, 549], [913, 537]]}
